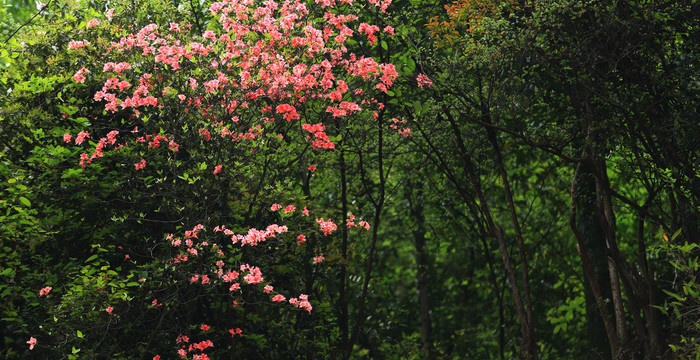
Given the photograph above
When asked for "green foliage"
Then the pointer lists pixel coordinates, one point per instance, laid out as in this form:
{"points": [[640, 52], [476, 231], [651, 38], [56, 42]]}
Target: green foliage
{"points": [[683, 296], [537, 89]]}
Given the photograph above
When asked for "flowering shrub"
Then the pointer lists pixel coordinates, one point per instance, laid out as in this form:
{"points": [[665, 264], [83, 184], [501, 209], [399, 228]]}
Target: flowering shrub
{"points": [[185, 122]]}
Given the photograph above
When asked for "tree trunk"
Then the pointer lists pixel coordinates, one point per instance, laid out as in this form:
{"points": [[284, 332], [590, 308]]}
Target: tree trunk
{"points": [[592, 246], [532, 345]]}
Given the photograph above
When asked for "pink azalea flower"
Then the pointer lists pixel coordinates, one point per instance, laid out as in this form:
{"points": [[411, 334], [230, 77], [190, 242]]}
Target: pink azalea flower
{"points": [[31, 342], [45, 291], [423, 80], [140, 165], [92, 23], [81, 137]]}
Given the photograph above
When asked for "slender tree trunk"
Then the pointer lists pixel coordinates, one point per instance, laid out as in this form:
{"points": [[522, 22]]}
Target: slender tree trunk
{"points": [[607, 220], [593, 251], [378, 208], [528, 349], [532, 345]]}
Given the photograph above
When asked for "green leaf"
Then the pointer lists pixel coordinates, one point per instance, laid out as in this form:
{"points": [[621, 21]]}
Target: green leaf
{"points": [[675, 234], [80, 334], [25, 201]]}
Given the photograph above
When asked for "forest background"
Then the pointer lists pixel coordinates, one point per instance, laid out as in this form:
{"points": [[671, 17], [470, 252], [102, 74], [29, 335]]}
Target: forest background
{"points": [[412, 179]]}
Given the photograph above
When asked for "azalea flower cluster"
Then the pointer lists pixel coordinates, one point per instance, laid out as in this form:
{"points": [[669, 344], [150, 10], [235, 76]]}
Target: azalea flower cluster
{"points": [[186, 347], [110, 139], [297, 60], [45, 291], [244, 274], [327, 226], [405, 131], [351, 223]]}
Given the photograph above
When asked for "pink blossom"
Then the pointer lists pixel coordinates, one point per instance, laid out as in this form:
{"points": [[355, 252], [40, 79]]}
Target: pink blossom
{"points": [[423, 80], [92, 23], [31, 342], [109, 309], [301, 239], [289, 209], [140, 165], [205, 134], [109, 14], [66, 137], [205, 327], [326, 226], [268, 289], [77, 44], [312, 168], [364, 224], [279, 298], [318, 259], [209, 35], [45, 291], [182, 339], [217, 169], [79, 77], [302, 302], [81, 137], [275, 207], [254, 275]]}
